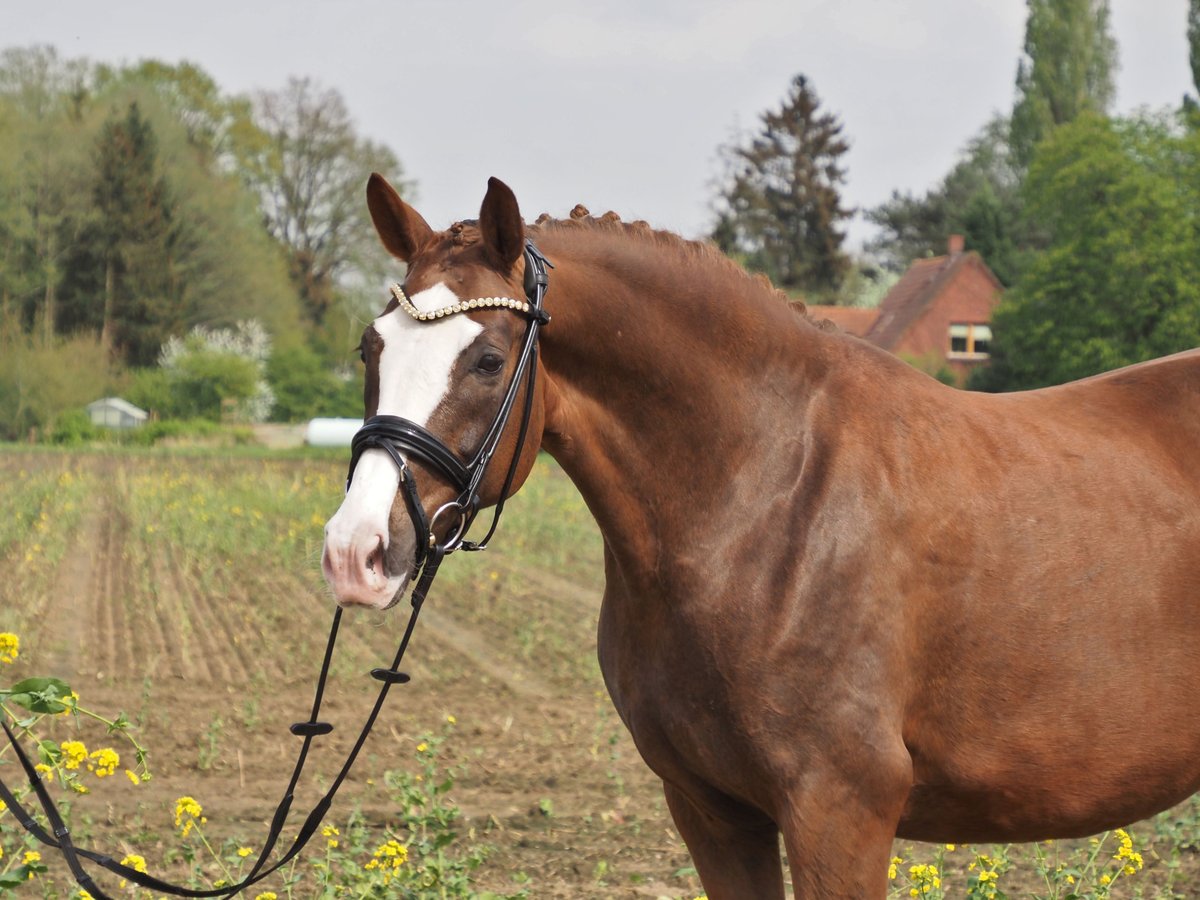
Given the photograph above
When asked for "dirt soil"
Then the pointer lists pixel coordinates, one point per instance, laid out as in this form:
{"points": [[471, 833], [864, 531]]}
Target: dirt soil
{"points": [[551, 784], [214, 658]]}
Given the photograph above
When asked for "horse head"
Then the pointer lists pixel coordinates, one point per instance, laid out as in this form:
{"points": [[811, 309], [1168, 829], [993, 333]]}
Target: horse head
{"points": [[441, 359]]}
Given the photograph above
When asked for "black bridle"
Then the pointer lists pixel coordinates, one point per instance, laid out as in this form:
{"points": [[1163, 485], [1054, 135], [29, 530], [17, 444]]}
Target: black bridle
{"points": [[396, 437]]}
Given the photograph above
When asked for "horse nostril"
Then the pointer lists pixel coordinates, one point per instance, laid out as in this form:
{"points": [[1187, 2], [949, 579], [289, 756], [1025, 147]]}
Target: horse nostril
{"points": [[377, 554]]}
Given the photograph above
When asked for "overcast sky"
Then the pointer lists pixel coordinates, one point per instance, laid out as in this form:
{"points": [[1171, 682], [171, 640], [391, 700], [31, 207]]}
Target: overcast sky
{"points": [[616, 105]]}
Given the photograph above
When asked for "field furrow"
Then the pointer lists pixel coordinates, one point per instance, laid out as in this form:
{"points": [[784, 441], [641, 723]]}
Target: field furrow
{"points": [[185, 590]]}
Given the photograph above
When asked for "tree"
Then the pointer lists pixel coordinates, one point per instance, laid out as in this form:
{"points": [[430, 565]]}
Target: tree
{"points": [[43, 194], [979, 199], [780, 208], [308, 168], [134, 234], [1119, 281], [1068, 69], [1193, 34]]}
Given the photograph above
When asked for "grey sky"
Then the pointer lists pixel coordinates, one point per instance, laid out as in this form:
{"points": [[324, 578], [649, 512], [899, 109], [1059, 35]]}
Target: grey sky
{"points": [[616, 105]]}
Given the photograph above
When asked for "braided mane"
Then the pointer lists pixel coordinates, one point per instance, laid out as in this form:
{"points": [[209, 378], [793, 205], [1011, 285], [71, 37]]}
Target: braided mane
{"points": [[465, 232]]}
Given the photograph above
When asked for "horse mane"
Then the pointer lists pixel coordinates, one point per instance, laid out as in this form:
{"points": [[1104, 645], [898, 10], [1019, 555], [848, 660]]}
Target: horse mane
{"points": [[690, 252]]}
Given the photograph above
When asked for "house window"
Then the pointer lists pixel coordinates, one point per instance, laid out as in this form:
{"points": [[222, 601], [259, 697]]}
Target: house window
{"points": [[970, 340]]}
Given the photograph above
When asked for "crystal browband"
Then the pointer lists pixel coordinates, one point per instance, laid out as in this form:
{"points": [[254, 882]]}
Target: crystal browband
{"points": [[461, 306]]}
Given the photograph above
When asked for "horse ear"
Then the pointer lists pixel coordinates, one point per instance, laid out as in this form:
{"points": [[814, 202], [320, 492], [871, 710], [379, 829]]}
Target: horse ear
{"points": [[501, 226], [399, 226]]}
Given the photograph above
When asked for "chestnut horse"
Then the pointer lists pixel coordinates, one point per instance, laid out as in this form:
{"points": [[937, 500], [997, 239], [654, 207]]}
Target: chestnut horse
{"points": [[844, 602]]}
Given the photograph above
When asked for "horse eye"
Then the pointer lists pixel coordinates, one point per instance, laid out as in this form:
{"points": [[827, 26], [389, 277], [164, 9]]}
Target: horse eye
{"points": [[490, 363]]}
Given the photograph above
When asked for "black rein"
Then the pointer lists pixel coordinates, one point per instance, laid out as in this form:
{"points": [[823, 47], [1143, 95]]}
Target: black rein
{"points": [[395, 436]]}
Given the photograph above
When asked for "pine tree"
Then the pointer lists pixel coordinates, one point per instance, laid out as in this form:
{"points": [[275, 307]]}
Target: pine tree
{"points": [[781, 208], [133, 239], [1068, 68]]}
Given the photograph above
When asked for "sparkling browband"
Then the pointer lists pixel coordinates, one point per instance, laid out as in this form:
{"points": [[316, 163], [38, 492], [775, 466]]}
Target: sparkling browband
{"points": [[461, 306]]}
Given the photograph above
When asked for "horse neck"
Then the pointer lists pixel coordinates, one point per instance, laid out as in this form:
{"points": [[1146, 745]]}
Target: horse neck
{"points": [[667, 372]]}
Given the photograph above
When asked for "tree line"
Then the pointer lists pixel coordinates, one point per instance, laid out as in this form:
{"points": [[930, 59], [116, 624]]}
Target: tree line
{"points": [[1091, 220], [140, 202]]}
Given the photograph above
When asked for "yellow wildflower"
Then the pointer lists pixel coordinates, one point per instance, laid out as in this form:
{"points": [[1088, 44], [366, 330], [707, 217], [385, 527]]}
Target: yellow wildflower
{"points": [[10, 647], [187, 812], [133, 777], [266, 895], [388, 857], [422, 747], [896, 861], [1125, 854], [73, 753], [106, 761], [135, 862], [243, 852], [31, 856], [331, 835]]}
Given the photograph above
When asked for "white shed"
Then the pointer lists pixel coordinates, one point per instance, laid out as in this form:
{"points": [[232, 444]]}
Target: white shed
{"points": [[113, 412]]}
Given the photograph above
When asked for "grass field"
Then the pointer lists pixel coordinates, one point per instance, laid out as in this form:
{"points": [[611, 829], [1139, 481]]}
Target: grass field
{"points": [[184, 590]]}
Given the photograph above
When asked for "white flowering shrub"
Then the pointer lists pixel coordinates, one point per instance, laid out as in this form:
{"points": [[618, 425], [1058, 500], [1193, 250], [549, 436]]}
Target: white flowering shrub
{"points": [[220, 369]]}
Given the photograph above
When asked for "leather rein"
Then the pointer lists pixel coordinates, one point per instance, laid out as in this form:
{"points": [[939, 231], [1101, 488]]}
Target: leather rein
{"points": [[396, 437]]}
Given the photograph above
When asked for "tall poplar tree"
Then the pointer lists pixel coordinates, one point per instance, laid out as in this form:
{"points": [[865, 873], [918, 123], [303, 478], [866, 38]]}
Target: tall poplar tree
{"points": [[780, 209], [1068, 68], [1193, 33]]}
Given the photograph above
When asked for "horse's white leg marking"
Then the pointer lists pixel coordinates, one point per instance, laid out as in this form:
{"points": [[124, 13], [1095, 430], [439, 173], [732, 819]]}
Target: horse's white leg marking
{"points": [[414, 378]]}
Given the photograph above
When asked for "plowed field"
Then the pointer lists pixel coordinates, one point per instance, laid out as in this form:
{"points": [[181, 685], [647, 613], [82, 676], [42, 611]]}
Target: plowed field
{"points": [[185, 590]]}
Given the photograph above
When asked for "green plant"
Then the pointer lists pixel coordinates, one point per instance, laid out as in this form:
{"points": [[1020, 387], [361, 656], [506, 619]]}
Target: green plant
{"points": [[210, 744], [32, 707], [73, 428], [1090, 875]]}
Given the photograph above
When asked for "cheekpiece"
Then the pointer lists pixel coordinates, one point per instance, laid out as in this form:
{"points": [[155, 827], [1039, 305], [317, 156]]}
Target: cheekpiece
{"points": [[405, 304]]}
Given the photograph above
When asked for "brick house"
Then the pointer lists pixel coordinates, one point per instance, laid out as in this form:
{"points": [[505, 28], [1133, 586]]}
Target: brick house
{"points": [[936, 316]]}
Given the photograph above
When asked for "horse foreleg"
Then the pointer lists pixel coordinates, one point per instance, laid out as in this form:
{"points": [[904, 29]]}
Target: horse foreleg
{"points": [[734, 861], [839, 838]]}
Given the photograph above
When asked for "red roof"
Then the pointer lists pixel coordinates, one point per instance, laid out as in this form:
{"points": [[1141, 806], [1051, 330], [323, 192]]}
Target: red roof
{"points": [[910, 296]]}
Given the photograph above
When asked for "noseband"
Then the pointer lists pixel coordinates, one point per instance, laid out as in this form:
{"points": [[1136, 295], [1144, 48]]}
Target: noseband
{"points": [[403, 439]]}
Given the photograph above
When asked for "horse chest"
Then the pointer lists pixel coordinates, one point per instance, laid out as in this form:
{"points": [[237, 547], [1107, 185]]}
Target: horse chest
{"points": [[685, 702]]}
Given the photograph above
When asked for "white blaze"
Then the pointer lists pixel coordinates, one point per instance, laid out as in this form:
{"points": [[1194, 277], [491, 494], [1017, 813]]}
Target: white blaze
{"points": [[414, 377]]}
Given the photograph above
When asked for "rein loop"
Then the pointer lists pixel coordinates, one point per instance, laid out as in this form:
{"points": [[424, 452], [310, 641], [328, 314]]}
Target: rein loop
{"points": [[392, 435]]}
